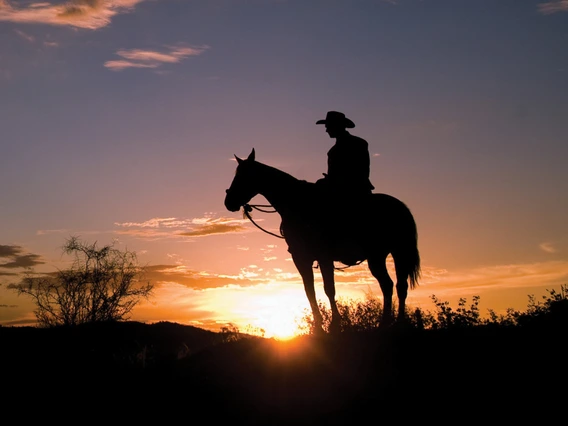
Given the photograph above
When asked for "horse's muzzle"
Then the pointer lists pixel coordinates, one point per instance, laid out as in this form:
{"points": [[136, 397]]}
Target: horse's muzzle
{"points": [[231, 205], [232, 208]]}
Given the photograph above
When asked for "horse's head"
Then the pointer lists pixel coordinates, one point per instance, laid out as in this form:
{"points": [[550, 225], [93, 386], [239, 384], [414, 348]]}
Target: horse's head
{"points": [[244, 187]]}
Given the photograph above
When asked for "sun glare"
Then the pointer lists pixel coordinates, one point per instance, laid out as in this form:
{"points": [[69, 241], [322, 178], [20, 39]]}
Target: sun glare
{"points": [[279, 325], [278, 317]]}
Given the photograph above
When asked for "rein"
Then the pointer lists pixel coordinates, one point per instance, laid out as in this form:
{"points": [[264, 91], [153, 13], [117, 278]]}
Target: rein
{"points": [[247, 208]]}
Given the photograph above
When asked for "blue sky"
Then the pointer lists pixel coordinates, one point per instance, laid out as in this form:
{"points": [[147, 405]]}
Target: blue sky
{"points": [[120, 120]]}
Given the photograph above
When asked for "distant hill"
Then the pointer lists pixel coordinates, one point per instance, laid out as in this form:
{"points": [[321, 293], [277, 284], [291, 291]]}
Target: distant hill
{"points": [[167, 372]]}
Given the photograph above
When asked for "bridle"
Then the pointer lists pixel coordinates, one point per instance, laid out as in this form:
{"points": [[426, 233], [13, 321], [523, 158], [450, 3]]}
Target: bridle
{"points": [[247, 208]]}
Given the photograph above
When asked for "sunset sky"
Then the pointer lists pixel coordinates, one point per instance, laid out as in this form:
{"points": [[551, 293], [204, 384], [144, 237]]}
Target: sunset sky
{"points": [[120, 120]]}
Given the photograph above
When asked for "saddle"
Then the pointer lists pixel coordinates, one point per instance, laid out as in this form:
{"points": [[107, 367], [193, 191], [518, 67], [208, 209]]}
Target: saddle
{"points": [[342, 225]]}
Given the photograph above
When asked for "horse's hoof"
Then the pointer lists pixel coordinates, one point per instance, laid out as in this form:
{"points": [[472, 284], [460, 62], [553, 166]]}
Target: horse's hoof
{"points": [[386, 321], [335, 328], [319, 331]]}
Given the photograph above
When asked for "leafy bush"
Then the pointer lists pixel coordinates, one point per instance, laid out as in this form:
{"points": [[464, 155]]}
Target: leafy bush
{"points": [[356, 315], [445, 317], [366, 315]]}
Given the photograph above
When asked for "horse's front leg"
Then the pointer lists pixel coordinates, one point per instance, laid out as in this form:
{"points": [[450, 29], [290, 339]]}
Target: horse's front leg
{"points": [[304, 266], [328, 276]]}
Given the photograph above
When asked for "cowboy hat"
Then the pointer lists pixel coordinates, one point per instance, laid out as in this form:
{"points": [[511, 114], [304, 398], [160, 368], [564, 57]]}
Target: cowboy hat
{"points": [[338, 119]]}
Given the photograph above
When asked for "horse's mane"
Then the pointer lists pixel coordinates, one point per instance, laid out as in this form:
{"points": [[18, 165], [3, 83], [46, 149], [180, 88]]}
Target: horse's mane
{"points": [[283, 176]]}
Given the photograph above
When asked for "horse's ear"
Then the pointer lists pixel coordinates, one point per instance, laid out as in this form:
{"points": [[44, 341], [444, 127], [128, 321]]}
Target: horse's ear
{"points": [[251, 155], [240, 161]]}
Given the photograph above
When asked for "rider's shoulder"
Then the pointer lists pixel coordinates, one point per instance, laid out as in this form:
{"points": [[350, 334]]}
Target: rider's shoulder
{"points": [[357, 140]]}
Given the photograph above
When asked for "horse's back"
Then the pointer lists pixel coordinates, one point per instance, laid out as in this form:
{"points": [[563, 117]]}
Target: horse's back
{"points": [[391, 216], [387, 199], [385, 204]]}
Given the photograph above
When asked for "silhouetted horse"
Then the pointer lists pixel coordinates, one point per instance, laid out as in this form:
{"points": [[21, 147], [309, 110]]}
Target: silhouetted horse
{"points": [[384, 225]]}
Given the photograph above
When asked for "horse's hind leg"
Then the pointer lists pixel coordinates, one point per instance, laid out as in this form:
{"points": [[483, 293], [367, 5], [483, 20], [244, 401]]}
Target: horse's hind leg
{"points": [[304, 266], [378, 267], [327, 273], [401, 287]]}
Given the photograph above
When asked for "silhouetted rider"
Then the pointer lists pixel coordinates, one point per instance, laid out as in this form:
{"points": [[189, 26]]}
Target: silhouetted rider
{"points": [[348, 160]]}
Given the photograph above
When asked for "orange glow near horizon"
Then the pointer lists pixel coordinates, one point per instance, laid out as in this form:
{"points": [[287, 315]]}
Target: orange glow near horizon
{"points": [[270, 310], [274, 310], [278, 323]]}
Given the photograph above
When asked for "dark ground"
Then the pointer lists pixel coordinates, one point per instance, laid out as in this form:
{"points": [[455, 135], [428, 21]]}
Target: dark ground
{"points": [[161, 373]]}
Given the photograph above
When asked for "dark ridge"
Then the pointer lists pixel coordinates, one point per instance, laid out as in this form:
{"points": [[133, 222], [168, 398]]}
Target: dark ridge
{"points": [[154, 372]]}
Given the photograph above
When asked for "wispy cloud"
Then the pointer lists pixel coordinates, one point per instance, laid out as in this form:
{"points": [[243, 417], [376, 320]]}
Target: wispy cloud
{"points": [[14, 257], [25, 36], [502, 277], [175, 228], [31, 39], [121, 64], [553, 7], [199, 280], [156, 222], [214, 229], [140, 58], [548, 247], [90, 14], [51, 231]]}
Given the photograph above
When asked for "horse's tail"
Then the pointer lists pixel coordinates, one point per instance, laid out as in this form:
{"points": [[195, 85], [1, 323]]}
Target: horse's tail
{"points": [[413, 255], [408, 249], [402, 235]]}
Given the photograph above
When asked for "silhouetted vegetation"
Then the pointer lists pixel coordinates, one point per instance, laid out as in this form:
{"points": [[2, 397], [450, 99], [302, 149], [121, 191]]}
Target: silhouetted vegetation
{"points": [[103, 284], [366, 315], [452, 359]]}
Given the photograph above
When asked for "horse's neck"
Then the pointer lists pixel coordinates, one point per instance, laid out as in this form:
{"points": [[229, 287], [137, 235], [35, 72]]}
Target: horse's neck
{"points": [[280, 189]]}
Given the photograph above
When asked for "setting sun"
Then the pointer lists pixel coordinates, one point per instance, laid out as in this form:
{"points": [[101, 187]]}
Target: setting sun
{"points": [[274, 310], [280, 324]]}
